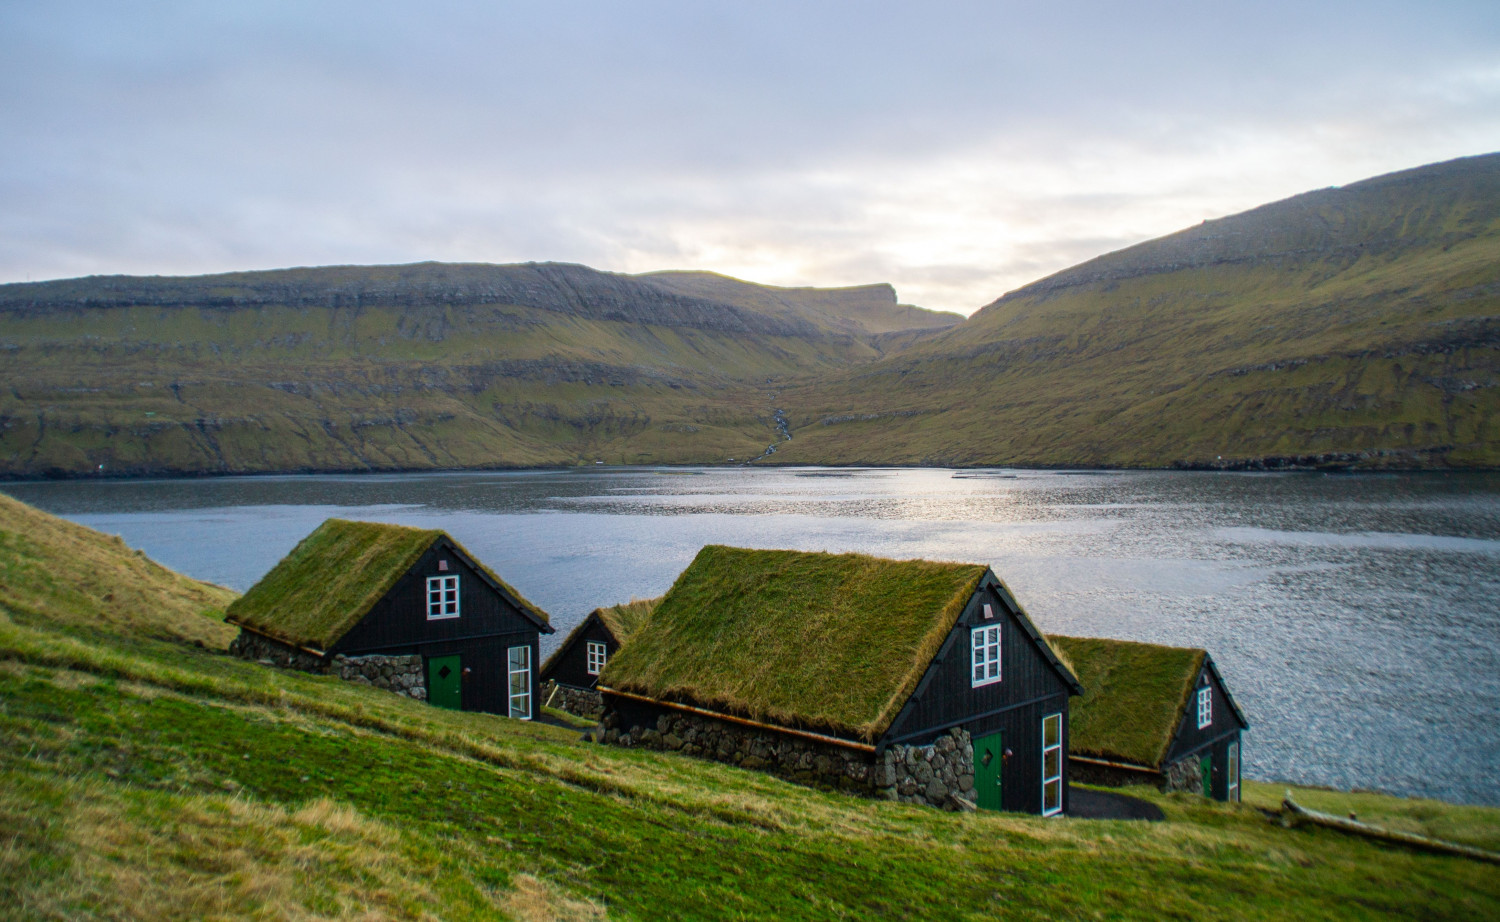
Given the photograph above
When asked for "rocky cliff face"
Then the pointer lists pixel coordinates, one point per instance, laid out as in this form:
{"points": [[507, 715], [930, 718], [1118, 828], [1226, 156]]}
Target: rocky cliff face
{"points": [[558, 287]]}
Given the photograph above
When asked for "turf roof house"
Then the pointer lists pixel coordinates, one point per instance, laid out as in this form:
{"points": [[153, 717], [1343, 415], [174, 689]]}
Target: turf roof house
{"points": [[911, 680], [1152, 714], [571, 674], [403, 608]]}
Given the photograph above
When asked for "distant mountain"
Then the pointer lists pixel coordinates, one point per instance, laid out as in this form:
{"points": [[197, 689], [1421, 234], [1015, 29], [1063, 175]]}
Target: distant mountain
{"points": [[418, 366], [1349, 326]]}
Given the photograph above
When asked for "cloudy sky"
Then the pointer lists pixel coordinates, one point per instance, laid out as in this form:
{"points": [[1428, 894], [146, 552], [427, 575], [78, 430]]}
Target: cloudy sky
{"points": [[956, 150]]}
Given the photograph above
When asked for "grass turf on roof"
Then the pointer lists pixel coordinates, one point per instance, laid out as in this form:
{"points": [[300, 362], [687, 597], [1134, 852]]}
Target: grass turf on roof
{"points": [[334, 577], [1134, 697], [623, 619], [833, 642], [330, 580]]}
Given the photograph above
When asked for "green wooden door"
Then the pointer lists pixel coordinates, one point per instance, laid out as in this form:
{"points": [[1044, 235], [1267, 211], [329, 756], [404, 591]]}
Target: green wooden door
{"points": [[989, 756], [443, 685], [1206, 768]]}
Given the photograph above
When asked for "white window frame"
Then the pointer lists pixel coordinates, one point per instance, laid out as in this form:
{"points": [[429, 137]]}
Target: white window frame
{"points": [[520, 701], [1056, 808], [984, 655], [442, 597], [1205, 706], [596, 655], [1233, 773]]}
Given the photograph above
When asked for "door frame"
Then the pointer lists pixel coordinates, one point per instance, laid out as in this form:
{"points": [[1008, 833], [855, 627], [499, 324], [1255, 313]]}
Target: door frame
{"points": [[458, 671], [999, 756]]}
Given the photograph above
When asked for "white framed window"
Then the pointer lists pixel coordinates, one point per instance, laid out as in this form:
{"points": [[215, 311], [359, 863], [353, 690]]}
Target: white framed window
{"points": [[597, 653], [1052, 765], [520, 682], [1234, 772], [1205, 706], [985, 644], [442, 597]]}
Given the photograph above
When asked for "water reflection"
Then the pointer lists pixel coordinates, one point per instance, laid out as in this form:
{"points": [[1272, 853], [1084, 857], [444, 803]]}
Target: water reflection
{"points": [[1354, 616]]}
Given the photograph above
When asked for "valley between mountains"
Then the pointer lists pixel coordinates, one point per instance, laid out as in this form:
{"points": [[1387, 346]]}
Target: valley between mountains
{"points": [[1351, 327]]}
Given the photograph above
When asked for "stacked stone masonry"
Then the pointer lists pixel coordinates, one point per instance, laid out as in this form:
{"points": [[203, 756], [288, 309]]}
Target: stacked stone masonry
{"points": [[940, 774], [403, 675], [583, 702]]}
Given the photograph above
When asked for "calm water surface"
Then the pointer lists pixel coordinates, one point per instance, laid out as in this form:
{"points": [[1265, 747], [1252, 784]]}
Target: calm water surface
{"points": [[1354, 617]]}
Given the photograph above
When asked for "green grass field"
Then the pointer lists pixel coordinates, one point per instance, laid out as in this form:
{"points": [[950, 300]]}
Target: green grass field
{"points": [[146, 776]]}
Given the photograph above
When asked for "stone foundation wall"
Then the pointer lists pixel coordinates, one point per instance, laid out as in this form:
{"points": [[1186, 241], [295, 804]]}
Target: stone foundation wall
{"points": [[1186, 775], [583, 702], [940, 774], [252, 646], [403, 675]]}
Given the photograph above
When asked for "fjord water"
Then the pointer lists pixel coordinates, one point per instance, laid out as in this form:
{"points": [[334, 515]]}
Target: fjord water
{"points": [[1356, 618]]}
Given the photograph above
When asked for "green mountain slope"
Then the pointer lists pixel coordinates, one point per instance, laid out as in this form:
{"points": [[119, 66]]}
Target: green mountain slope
{"points": [[1359, 324], [145, 778], [422, 366]]}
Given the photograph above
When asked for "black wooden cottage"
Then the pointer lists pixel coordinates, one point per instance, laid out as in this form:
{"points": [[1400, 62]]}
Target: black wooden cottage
{"points": [[911, 680], [1152, 715], [571, 674], [402, 608]]}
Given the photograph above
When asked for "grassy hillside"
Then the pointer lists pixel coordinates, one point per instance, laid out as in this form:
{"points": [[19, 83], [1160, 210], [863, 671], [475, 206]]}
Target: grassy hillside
{"points": [[1360, 324], [146, 778], [356, 368]]}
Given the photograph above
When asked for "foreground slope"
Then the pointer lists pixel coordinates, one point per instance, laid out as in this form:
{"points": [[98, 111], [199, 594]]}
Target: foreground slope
{"points": [[408, 367], [1360, 324], [144, 778]]}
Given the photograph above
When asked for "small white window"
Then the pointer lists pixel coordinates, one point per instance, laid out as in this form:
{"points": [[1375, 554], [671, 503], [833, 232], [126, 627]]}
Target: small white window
{"points": [[1052, 765], [520, 682], [985, 642], [1205, 707], [1234, 772], [442, 597], [596, 654]]}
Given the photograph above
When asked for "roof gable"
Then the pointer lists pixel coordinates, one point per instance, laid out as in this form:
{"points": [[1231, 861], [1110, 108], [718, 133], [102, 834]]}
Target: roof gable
{"points": [[335, 575], [1134, 697], [835, 642], [619, 620]]}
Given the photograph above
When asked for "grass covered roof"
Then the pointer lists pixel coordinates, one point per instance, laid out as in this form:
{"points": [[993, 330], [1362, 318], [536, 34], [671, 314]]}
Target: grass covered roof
{"points": [[1134, 697], [832, 642], [335, 575], [621, 619]]}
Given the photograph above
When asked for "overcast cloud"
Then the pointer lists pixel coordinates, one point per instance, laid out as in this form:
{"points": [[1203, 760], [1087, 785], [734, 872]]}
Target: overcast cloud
{"points": [[956, 150]]}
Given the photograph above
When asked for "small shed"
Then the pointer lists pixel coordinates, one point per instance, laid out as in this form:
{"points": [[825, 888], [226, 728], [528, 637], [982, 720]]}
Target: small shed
{"points": [[570, 676], [907, 680], [405, 609], [1152, 714]]}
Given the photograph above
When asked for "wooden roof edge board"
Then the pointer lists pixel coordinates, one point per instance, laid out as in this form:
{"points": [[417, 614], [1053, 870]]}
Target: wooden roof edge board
{"points": [[305, 649], [718, 715], [1128, 766], [1069, 679], [529, 610]]}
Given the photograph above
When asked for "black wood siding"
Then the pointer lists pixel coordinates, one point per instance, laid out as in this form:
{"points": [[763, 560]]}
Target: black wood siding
{"points": [[486, 628], [570, 664], [1029, 688], [1225, 728]]}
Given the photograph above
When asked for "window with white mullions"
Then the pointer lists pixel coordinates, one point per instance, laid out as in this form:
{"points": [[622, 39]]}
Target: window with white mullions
{"points": [[985, 643], [597, 653], [442, 597], [520, 682], [1052, 765], [1205, 706]]}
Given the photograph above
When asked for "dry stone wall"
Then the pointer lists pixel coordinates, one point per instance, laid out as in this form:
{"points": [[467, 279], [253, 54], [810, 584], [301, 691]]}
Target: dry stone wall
{"points": [[400, 674], [1186, 775], [403, 675], [940, 774], [583, 702]]}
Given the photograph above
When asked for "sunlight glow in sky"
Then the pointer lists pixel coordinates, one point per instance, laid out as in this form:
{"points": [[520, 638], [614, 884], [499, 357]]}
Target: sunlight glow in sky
{"points": [[955, 150]]}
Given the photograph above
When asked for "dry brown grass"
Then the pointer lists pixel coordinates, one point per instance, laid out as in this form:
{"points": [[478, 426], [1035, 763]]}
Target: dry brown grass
{"points": [[537, 900]]}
